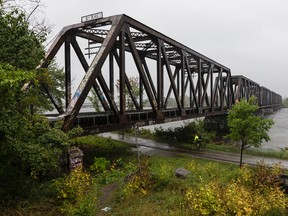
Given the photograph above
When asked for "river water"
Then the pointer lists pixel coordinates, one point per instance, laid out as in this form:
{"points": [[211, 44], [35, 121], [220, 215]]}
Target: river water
{"points": [[279, 131]]}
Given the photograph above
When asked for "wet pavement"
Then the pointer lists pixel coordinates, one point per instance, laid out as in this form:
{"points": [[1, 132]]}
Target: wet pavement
{"points": [[151, 147]]}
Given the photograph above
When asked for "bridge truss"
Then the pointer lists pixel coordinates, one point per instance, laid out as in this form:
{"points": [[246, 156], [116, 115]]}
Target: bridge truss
{"points": [[166, 69]]}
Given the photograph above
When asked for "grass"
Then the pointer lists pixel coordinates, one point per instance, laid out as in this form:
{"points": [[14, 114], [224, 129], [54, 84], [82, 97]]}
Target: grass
{"points": [[281, 154], [165, 196], [40, 200]]}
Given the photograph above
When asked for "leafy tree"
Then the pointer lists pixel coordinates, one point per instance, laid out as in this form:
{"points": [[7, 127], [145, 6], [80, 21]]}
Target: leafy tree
{"points": [[29, 148], [21, 155], [134, 82], [285, 103], [246, 128], [95, 100], [20, 46], [54, 79]]}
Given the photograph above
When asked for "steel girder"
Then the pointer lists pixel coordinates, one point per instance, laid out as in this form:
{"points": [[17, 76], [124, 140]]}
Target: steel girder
{"points": [[244, 88], [269, 98], [166, 69]]}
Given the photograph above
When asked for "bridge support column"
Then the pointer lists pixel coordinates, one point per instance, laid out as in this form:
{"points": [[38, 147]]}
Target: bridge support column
{"points": [[217, 124]]}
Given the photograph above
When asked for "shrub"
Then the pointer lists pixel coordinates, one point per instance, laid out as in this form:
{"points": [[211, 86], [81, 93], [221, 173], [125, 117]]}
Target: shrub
{"points": [[73, 186], [110, 172], [162, 174], [100, 165], [76, 193], [240, 196], [94, 146], [86, 206], [265, 175], [146, 132], [184, 133], [138, 182], [205, 200]]}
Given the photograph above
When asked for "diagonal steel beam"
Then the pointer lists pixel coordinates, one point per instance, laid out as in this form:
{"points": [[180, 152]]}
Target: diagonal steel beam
{"points": [[170, 87], [169, 71], [192, 88], [141, 71], [205, 86], [85, 66]]}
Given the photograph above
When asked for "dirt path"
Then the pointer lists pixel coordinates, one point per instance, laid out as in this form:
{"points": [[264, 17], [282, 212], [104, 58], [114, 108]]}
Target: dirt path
{"points": [[106, 198]]}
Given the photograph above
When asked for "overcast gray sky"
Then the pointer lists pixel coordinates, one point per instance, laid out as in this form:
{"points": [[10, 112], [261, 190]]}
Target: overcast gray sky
{"points": [[248, 36]]}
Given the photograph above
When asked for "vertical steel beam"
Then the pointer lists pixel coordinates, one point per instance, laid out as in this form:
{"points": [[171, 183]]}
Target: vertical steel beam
{"points": [[221, 89], [160, 80], [199, 83], [183, 88], [67, 71], [111, 74], [211, 88], [122, 97], [215, 89], [141, 102], [178, 83]]}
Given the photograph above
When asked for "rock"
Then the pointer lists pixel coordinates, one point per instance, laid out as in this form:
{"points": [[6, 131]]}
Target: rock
{"points": [[181, 172], [75, 158]]}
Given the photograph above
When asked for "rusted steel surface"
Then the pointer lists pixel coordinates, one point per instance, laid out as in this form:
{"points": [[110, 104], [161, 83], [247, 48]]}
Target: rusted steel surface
{"points": [[167, 69]]}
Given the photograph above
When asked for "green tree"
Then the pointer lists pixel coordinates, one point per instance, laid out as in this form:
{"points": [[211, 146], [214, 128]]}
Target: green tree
{"points": [[285, 103], [134, 83], [26, 153], [246, 128], [94, 100], [20, 46], [54, 79], [29, 148], [21, 154]]}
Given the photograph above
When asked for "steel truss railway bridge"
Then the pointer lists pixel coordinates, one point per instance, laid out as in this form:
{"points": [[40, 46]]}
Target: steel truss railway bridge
{"points": [[166, 69]]}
